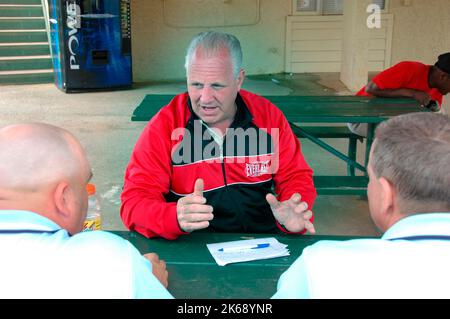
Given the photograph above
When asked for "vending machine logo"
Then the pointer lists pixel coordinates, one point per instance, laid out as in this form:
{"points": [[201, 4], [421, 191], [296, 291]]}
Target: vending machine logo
{"points": [[73, 23]]}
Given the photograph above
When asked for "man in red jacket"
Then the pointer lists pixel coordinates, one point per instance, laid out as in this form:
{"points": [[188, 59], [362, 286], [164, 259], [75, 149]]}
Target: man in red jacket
{"points": [[424, 83], [212, 158]]}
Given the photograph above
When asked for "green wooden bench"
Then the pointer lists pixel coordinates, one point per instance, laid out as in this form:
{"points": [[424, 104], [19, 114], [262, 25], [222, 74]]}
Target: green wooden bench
{"points": [[334, 132], [341, 185]]}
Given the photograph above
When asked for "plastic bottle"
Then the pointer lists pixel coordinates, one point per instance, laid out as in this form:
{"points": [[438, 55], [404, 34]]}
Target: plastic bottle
{"points": [[93, 218]]}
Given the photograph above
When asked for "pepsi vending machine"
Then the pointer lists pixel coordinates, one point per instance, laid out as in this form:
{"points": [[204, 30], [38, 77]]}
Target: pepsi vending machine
{"points": [[90, 44]]}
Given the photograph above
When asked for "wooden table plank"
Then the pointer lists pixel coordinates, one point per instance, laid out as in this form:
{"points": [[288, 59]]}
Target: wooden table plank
{"points": [[193, 273]]}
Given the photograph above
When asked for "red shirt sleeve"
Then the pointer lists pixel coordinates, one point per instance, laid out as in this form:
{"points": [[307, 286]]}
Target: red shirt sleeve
{"points": [[362, 92], [395, 77], [147, 179]]}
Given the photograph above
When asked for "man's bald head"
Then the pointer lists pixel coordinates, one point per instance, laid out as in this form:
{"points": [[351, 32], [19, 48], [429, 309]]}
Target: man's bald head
{"points": [[34, 155]]}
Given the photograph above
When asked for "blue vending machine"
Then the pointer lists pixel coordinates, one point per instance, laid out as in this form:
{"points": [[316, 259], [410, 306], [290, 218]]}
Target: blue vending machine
{"points": [[90, 44]]}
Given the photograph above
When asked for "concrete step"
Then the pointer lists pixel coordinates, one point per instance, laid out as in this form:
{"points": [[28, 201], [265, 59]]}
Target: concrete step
{"points": [[35, 2], [14, 10], [8, 36], [26, 77], [22, 23], [16, 63], [24, 49]]}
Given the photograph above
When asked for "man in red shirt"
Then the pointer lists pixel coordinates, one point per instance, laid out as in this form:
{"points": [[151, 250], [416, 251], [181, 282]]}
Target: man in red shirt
{"points": [[214, 157], [424, 83]]}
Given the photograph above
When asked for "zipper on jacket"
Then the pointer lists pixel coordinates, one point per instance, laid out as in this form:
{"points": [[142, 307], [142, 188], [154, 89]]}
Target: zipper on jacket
{"points": [[219, 141]]}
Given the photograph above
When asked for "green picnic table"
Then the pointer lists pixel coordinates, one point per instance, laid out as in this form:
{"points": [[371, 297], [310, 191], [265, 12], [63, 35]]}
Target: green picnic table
{"points": [[320, 114], [193, 272]]}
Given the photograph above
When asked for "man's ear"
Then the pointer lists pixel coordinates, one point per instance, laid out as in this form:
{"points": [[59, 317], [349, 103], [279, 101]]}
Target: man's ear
{"points": [[388, 196], [241, 78], [61, 196]]}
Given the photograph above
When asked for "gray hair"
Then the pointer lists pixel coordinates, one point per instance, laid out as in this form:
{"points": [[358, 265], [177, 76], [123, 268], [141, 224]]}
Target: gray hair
{"points": [[412, 151], [211, 42]]}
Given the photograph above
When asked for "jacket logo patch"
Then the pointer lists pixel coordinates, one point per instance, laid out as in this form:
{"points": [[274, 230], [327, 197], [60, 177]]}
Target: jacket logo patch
{"points": [[257, 168]]}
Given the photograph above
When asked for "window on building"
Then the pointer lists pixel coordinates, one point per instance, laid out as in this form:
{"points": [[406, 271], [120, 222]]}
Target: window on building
{"points": [[325, 7]]}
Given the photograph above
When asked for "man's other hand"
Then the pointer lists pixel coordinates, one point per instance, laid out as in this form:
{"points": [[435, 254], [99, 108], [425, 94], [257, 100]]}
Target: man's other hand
{"points": [[293, 214], [159, 268]]}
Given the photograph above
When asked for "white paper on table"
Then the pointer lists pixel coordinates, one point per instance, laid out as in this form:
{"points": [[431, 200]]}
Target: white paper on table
{"points": [[241, 251]]}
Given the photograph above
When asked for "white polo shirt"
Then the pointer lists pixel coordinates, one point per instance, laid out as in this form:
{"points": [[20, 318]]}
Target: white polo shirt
{"points": [[41, 260], [411, 260]]}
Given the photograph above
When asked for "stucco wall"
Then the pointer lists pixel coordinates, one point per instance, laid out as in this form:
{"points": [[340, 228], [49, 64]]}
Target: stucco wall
{"points": [[421, 30], [355, 53], [159, 45]]}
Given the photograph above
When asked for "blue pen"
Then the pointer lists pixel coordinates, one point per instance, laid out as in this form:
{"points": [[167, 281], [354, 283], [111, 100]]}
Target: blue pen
{"points": [[246, 247]]}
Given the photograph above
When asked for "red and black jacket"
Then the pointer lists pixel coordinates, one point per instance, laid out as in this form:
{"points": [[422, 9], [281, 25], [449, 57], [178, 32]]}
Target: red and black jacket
{"points": [[259, 154]]}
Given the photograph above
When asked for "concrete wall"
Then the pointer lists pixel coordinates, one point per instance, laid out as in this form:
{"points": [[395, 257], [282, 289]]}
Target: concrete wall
{"points": [[421, 30], [355, 46], [162, 29]]}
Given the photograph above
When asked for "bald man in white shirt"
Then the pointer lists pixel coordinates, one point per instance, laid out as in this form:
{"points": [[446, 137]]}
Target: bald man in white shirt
{"points": [[43, 203]]}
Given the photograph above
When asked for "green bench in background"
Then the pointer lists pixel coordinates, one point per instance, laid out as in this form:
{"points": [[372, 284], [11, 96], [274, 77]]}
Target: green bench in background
{"points": [[333, 132], [341, 185]]}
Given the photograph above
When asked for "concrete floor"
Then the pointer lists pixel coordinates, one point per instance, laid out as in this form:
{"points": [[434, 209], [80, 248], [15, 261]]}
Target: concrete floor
{"points": [[101, 121]]}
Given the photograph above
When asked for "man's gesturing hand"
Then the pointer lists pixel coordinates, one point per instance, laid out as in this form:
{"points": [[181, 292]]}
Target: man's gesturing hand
{"points": [[293, 214], [192, 211]]}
